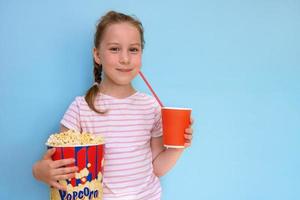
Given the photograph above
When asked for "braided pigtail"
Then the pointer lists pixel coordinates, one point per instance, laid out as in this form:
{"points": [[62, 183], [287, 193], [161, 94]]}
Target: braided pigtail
{"points": [[93, 91]]}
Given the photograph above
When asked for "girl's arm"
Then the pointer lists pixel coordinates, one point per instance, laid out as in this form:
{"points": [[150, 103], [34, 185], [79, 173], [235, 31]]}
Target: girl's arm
{"points": [[164, 159], [49, 171]]}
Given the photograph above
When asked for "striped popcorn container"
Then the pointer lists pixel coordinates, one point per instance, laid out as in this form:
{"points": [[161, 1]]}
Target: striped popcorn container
{"points": [[87, 183]]}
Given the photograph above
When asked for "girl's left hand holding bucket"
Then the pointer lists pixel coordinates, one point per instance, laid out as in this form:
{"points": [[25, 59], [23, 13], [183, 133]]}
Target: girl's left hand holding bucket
{"points": [[50, 171]]}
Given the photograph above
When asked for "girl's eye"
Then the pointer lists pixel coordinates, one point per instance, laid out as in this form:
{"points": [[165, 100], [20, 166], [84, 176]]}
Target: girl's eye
{"points": [[114, 49], [134, 50]]}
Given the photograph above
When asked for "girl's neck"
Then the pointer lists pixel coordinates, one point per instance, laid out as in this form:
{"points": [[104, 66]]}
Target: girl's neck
{"points": [[117, 91]]}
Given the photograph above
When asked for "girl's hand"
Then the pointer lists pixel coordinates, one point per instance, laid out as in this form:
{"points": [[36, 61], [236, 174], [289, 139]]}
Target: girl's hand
{"points": [[50, 171], [188, 135]]}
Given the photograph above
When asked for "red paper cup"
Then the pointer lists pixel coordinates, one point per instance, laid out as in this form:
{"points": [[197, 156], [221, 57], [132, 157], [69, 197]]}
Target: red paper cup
{"points": [[88, 181], [174, 123]]}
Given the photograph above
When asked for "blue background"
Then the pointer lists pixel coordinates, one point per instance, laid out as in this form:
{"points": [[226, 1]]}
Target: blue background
{"points": [[236, 63]]}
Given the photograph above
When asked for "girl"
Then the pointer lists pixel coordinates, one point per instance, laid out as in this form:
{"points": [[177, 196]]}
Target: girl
{"points": [[130, 121]]}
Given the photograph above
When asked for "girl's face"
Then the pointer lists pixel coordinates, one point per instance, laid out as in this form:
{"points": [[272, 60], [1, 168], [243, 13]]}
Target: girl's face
{"points": [[120, 53]]}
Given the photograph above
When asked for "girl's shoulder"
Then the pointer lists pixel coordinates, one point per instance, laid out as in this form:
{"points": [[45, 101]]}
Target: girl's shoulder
{"points": [[79, 102], [144, 96], [148, 98]]}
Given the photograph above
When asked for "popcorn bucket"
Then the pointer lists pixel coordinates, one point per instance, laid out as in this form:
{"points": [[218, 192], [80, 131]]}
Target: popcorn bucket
{"points": [[174, 123], [87, 183]]}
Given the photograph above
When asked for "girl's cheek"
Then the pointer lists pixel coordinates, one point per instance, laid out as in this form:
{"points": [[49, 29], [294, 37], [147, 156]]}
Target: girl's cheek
{"points": [[111, 58], [139, 61]]}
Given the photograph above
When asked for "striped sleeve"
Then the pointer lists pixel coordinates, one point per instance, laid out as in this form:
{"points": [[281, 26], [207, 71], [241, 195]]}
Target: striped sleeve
{"points": [[157, 127], [71, 118]]}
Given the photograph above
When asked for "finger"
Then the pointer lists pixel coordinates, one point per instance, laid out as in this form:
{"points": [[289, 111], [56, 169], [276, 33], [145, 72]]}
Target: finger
{"points": [[189, 130], [65, 176], [188, 136], [63, 162], [187, 144], [65, 170], [58, 186], [49, 153]]}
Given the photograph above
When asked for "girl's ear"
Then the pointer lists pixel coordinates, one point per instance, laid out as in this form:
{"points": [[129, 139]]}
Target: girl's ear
{"points": [[96, 56]]}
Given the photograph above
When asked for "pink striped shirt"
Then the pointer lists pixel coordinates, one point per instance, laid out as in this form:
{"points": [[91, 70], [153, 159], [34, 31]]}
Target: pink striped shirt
{"points": [[127, 127]]}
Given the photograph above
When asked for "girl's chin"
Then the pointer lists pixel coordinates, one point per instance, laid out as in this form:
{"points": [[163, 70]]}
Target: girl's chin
{"points": [[122, 82]]}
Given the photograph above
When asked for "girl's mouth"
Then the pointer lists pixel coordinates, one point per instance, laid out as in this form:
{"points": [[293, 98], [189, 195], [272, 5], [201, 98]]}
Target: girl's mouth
{"points": [[124, 70]]}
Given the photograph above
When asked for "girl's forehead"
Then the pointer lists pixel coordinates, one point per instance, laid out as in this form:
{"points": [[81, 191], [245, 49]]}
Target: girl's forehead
{"points": [[121, 31]]}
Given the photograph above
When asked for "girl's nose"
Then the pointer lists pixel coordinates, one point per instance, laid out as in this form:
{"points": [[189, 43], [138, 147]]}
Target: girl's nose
{"points": [[124, 57]]}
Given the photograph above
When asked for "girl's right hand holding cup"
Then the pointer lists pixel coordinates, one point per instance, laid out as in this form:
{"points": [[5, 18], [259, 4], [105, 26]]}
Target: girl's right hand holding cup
{"points": [[50, 171]]}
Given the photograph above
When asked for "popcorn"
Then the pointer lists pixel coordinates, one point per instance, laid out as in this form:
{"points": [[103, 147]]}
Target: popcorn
{"points": [[88, 150], [73, 138]]}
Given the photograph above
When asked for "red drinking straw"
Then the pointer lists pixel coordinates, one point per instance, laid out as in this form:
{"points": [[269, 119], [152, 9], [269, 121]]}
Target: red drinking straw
{"points": [[149, 86]]}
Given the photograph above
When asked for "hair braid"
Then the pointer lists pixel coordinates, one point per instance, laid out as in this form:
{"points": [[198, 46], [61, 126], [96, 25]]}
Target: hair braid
{"points": [[97, 73], [93, 91]]}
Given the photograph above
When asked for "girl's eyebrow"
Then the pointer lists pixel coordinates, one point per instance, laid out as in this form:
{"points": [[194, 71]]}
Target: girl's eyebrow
{"points": [[116, 43], [112, 43], [139, 44]]}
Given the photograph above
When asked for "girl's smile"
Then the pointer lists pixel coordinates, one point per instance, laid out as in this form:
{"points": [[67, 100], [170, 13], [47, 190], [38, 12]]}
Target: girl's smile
{"points": [[124, 70]]}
